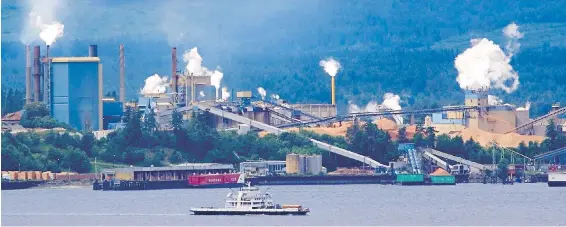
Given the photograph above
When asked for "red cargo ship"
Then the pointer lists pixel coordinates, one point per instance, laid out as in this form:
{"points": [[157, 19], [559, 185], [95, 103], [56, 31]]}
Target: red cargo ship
{"points": [[227, 180]]}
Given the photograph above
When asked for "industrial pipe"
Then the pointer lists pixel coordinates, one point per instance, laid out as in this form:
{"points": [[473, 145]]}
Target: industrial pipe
{"points": [[174, 68], [47, 78], [28, 75], [36, 73], [333, 92], [92, 51], [122, 87]]}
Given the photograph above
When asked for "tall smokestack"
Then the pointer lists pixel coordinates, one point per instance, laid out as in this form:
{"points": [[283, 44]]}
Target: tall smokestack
{"points": [[122, 91], [333, 92], [28, 75], [36, 71], [47, 78], [174, 68], [92, 51]]}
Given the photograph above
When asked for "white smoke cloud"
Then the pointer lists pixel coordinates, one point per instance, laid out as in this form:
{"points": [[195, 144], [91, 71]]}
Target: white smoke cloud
{"points": [[155, 85], [330, 66], [370, 107], [225, 94], [485, 65], [275, 96], [391, 101], [194, 66], [201, 93], [526, 107], [493, 100], [513, 35], [262, 92], [42, 22]]}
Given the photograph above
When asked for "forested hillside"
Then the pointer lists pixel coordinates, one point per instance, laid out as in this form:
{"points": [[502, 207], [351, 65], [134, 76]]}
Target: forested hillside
{"points": [[400, 46]]}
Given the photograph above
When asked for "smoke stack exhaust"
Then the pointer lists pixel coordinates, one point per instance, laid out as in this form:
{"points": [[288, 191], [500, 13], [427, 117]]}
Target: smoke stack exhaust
{"points": [[47, 77], [122, 87], [333, 91], [92, 51], [174, 68], [28, 75], [36, 73]]}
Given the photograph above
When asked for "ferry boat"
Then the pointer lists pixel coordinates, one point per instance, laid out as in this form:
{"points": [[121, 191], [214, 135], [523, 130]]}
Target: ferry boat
{"points": [[557, 179], [250, 200]]}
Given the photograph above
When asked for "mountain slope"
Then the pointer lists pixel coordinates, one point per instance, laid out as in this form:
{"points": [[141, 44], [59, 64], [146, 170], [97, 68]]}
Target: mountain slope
{"points": [[400, 46]]}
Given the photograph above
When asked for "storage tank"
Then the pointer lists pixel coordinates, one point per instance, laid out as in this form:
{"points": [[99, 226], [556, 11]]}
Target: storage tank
{"points": [[317, 168], [302, 164], [314, 164], [292, 163]]}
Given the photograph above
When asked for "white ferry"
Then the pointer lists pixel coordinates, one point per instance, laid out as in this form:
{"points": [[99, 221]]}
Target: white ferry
{"points": [[250, 200], [557, 179]]}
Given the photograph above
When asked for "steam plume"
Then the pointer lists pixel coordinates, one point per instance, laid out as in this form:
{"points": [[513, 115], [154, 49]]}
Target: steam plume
{"points": [[493, 100], [391, 101], [330, 66], [527, 106], [194, 66], [513, 35], [485, 65], [370, 107], [262, 92], [155, 85], [275, 96], [41, 22], [225, 94]]}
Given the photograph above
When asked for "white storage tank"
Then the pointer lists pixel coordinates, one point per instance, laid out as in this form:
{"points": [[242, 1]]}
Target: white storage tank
{"points": [[302, 164], [314, 164], [292, 164]]}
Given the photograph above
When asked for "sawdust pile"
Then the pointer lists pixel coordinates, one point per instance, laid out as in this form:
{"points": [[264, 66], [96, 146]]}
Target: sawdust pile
{"points": [[485, 138]]}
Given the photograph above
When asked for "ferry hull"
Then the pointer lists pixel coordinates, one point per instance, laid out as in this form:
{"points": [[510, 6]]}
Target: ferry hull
{"points": [[248, 212], [557, 179]]}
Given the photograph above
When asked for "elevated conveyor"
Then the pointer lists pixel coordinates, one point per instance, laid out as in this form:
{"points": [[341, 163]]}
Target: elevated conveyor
{"points": [[538, 119], [457, 159], [550, 154], [277, 131], [437, 161]]}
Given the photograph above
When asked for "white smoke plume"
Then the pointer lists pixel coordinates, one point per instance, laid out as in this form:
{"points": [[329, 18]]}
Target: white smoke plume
{"points": [[391, 101], [330, 66], [225, 94], [275, 96], [370, 107], [42, 21], [485, 65], [155, 85], [513, 35], [526, 107], [262, 92], [201, 93], [493, 100], [194, 66]]}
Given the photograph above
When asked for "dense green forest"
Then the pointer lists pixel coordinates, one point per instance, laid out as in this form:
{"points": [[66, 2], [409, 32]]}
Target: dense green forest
{"points": [[140, 143], [400, 46]]}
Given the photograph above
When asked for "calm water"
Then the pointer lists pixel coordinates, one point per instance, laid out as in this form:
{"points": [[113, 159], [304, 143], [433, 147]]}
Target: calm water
{"points": [[465, 204]]}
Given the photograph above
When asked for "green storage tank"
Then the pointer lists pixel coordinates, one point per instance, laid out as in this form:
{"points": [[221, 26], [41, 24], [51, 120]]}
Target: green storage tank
{"points": [[407, 179], [440, 180]]}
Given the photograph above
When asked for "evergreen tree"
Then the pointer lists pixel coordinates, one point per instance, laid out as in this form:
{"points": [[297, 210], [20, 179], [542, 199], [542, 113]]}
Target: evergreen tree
{"points": [[150, 124], [430, 137], [402, 138]]}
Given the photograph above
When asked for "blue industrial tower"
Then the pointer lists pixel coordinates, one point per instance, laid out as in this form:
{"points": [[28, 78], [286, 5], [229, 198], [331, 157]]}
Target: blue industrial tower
{"points": [[76, 92]]}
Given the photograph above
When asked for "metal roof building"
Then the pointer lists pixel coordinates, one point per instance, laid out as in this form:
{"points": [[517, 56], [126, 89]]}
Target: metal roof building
{"points": [[76, 92]]}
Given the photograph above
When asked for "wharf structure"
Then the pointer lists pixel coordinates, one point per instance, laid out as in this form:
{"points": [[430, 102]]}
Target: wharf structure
{"points": [[144, 178]]}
